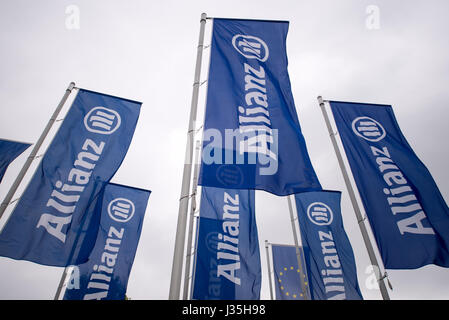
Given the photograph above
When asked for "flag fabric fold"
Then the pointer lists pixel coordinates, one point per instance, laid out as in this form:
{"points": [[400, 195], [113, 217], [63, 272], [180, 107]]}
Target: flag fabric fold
{"points": [[105, 275], [331, 264], [227, 259], [10, 150], [252, 138], [407, 213], [87, 150]]}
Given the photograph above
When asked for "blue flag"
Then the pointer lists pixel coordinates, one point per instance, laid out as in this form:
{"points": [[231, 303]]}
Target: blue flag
{"points": [[407, 213], [9, 150], [252, 137], [86, 151], [227, 260], [330, 259], [105, 275], [287, 274]]}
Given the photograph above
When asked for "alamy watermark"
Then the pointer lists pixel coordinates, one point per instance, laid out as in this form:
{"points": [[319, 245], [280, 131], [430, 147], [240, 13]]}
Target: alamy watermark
{"points": [[72, 19], [372, 21], [371, 282], [239, 147]]}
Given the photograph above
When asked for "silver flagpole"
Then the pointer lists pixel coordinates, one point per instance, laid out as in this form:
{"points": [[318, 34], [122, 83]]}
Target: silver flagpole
{"points": [[298, 253], [197, 218], [355, 205], [61, 282], [269, 270], [176, 274], [191, 220], [35, 150]]}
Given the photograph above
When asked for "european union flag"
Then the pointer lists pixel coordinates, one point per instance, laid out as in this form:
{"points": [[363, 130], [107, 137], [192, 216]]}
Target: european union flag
{"points": [[9, 150], [287, 273]]}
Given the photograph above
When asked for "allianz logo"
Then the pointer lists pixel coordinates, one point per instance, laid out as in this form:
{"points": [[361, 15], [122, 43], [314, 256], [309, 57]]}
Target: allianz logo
{"points": [[102, 120], [121, 210], [368, 129], [251, 47], [320, 214]]}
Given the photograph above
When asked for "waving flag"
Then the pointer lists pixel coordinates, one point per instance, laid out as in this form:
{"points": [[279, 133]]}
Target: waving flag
{"points": [[227, 260], [407, 213], [252, 136], [9, 150], [287, 272], [331, 264], [105, 275], [87, 150]]}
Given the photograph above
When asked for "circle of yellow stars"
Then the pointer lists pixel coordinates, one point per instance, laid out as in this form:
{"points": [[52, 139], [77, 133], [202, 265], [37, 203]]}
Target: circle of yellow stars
{"points": [[294, 295]]}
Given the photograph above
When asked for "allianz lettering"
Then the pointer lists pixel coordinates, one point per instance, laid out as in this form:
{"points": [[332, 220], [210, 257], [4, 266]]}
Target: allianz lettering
{"points": [[332, 276], [254, 117], [64, 197], [102, 273], [228, 257], [321, 215], [400, 196]]}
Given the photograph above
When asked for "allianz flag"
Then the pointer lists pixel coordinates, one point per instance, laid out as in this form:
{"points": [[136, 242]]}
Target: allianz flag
{"points": [[227, 260], [407, 213], [330, 259], [105, 275], [9, 150], [86, 151], [287, 274], [252, 137]]}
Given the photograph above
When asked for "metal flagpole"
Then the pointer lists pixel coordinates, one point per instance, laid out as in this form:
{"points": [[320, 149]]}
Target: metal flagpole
{"points": [[176, 274], [197, 218], [61, 282], [269, 270], [191, 220], [358, 214], [33, 153], [298, 253]]}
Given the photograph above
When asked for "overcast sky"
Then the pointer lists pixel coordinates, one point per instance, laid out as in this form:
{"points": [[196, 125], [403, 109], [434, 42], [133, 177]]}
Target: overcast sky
{"points": [[146, 50]]}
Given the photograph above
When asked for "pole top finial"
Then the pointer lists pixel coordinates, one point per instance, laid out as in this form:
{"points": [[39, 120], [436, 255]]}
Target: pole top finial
{"points": [[320, 100]]}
